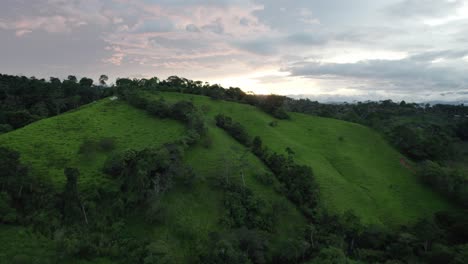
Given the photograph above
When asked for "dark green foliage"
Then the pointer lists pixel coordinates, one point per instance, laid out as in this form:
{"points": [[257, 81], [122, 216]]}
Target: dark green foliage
{"points": [[447, 181], [224, 252], [14, 176], [159, 108], [244, 209], [146, 174], [331, 255], [297, 180], [4, 128], [107, 144], [271, 104], [273, 123], [86, 82], [274, 105], [24, 100], [103, 79], [454, 226], [71, 199], [19, 119], [462, 130], [265, 178], [183, 111], [291, 250], [238, 246], [88, 147], [91, 146], [257, 147], [235, 129], [7, 213], [422, 143]]}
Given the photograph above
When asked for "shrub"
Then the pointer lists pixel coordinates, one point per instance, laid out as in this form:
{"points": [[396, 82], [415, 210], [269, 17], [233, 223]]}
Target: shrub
{"points": [[265, 178], [107, 144], [235, 129], [88, 146], [4, 128]]}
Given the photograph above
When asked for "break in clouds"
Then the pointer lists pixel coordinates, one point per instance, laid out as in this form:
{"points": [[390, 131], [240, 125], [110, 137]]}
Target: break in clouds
{"points": [[338, 50]]}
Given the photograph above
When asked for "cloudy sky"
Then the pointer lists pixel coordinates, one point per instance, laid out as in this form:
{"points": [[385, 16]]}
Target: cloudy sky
{"points": [[415, 50]]}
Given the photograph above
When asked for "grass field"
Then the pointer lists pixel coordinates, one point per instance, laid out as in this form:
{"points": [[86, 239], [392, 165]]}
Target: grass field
{"points": [[52, 144], [354, 166]]}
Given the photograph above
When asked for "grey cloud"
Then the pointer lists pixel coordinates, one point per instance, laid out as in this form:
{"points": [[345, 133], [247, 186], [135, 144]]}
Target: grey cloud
{"points": [[192, 28], [262, 46], [307, 39], [186, 45], [424, 8], [51, 54], [265, 45], [406, 74], [244, 21], [155, 25], [442, 54], [215, 26]]}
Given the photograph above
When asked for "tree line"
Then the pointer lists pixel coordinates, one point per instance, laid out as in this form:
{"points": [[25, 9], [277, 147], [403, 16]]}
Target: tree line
{"points": [[25, 100]]}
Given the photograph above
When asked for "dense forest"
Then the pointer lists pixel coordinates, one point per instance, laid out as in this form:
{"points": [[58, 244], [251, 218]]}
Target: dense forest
{"points": [[432, 137]]}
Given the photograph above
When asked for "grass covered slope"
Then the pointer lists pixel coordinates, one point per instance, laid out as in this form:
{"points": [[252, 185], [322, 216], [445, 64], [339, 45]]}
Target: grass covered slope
{"points": [[52, 144], [190, 214], [194, 213], [354, 166]]}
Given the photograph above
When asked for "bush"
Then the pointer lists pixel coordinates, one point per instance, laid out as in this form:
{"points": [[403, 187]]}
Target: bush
{"points": [[7, 213], [107, 144], [87, 147], [243, 208], [235, 129], [159, 108], [4, 128], [265, 178]]}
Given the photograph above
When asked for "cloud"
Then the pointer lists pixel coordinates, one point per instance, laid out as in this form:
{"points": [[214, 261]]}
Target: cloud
{"points": [[424, 8], [415, 72], [192, 28], [154, 25], [215, 26], [359, 46]]}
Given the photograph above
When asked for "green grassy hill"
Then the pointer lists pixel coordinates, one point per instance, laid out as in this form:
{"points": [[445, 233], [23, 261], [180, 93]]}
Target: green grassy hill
{"points": [[50, 145], [354, 166]]}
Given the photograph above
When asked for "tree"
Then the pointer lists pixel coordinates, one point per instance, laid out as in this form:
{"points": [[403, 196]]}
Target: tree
{"points": [[72, 78], [71, 200], [427, 231], [257, 147], [330, 255], [86, 82], [7, 213], [103, 79], [462, 130], [12, 173]]}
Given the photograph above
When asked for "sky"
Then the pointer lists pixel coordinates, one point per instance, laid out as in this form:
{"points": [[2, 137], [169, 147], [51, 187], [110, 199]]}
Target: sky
{"points": [[334, 50]]}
